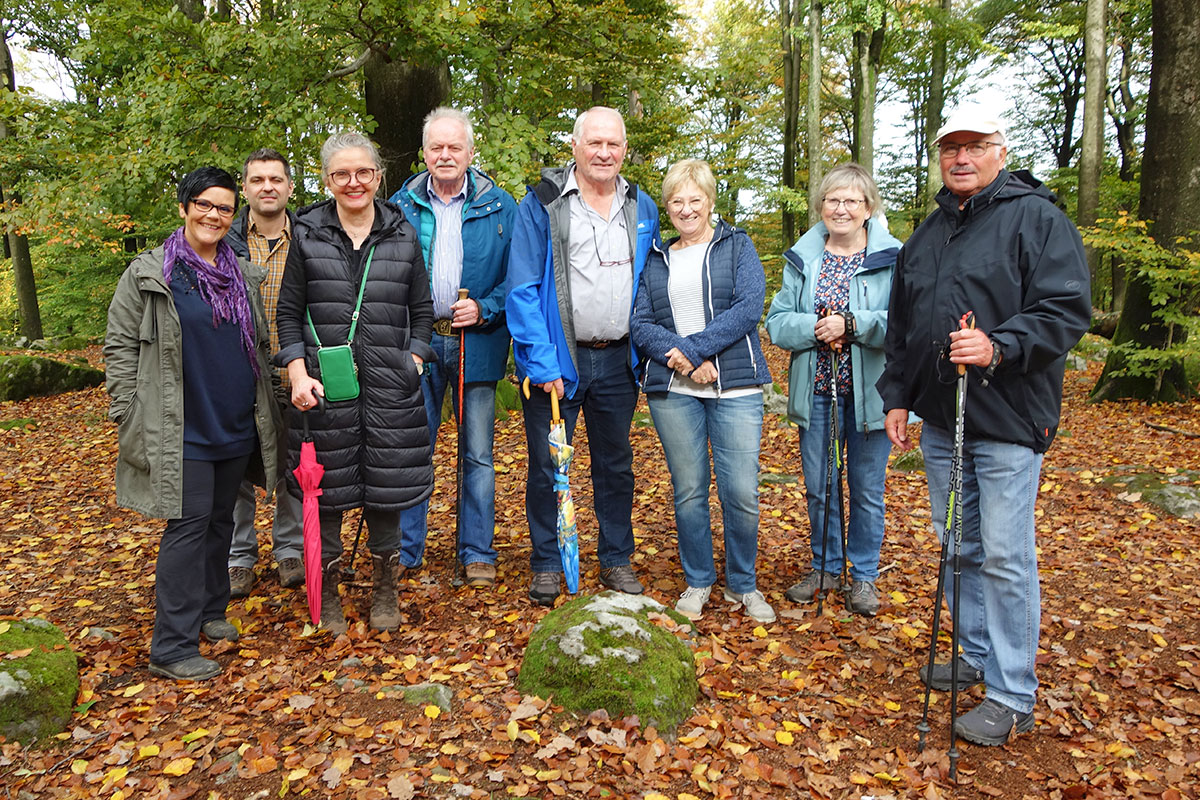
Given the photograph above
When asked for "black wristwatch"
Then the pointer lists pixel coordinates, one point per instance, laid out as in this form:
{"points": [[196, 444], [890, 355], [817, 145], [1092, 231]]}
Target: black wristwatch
{"points": [[851, 327], [997, 357]]}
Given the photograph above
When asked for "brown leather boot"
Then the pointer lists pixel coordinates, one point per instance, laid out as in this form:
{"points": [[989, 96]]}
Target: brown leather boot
{"points": [[332, 619], [385, 613]]}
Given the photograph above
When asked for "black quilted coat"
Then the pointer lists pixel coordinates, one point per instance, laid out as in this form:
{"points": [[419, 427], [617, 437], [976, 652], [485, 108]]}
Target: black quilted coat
{"points": [[375, 449]]}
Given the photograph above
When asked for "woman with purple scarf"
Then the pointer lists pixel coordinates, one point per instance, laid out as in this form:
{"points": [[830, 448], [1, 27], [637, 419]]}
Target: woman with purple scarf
{"points": [[186, 363]]}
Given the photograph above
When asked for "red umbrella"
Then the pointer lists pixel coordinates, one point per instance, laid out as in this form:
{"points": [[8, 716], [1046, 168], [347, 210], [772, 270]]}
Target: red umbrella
{"points": [[308, 475]]}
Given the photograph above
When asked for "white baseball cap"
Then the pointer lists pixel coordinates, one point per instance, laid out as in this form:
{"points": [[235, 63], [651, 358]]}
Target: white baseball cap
{"points": [[970, 118]]}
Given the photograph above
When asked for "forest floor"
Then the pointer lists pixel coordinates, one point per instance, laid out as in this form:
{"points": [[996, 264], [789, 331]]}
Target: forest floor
{"points": [[808, 706]]}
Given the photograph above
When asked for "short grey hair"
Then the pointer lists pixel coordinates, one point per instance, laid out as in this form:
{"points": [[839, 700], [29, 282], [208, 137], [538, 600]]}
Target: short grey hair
{"points": [[577, 133], [348, 140], [856, 177], [446, 112]]}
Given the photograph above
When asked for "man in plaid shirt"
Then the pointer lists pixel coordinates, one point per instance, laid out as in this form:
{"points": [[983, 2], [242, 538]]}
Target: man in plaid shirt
{"points": [[262, 233]]}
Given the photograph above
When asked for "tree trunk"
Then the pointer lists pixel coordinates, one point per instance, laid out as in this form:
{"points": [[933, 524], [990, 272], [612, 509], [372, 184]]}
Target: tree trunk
{"points": [[868, 50], [937, 104], [1170, 186], [192, 9], [398, 95], [816, 164], [18, 244], [1091, 149], [789, 20]]}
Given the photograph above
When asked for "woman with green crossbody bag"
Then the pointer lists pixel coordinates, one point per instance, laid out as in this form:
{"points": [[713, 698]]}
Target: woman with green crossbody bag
{"points": [[355, 318]]}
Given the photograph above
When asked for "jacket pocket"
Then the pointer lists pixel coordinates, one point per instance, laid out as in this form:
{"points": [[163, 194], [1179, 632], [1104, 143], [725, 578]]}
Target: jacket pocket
{"points": [[131, 436]]}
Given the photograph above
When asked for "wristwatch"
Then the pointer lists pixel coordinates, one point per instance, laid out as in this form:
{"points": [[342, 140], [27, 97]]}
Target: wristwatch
{"points": [[997, 357], [851, 328]]}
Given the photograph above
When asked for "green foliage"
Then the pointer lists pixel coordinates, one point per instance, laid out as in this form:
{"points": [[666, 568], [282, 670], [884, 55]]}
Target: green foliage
{"points": [[1174, 280]]}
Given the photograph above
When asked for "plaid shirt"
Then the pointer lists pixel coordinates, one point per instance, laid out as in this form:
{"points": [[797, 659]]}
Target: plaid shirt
{"points": [[273, 260]]}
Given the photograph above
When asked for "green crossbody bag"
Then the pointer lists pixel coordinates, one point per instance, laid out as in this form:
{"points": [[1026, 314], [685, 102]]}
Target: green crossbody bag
{"points": [[339, 372]]}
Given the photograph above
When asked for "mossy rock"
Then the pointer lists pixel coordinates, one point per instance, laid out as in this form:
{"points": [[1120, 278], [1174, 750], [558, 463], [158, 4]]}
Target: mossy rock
{"points": [[37, 689], [909, 461], [30, 376], [604, 651], [1176, 493]]}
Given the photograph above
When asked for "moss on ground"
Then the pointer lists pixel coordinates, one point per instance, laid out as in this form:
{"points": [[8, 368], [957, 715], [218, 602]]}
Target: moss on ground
{"points": [[603, 651], [37, 690], [30, 376]]}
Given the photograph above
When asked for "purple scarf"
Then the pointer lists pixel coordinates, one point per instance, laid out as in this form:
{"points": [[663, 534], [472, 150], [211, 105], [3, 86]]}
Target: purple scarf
{"points": [[221, 286]]}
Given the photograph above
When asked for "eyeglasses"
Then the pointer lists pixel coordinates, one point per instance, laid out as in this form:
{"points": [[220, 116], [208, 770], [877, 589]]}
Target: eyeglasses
{"points": [[850, 205], [600, 256], [342, 177], [677, 204], [974, 149], [204, 206]]}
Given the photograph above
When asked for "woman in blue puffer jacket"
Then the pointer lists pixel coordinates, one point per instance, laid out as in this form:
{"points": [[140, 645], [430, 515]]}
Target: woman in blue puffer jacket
{"points": [[696, 322]]}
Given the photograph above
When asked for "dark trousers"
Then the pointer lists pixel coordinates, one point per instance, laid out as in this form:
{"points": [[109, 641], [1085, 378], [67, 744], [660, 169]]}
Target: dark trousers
{"points": [[607, 395], [191, 579], [383, 532]]}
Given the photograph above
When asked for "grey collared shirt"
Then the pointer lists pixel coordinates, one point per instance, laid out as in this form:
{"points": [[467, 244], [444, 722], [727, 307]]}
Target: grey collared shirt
{"points": [[601, 266], [447, 250]]}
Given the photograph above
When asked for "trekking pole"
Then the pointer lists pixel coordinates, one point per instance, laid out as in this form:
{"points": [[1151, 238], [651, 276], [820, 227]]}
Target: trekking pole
{"points": [[831, 460], [459, 571], [348, 570], [839, 468], [954, 506]]}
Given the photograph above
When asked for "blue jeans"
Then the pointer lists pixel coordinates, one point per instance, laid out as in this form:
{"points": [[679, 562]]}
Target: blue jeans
{"points": [[865, 465], [1001, 599], [686, 426], [607, 395], [479, 476]]}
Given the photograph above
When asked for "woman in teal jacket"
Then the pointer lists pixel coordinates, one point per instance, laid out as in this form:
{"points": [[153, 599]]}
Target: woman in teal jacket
{"points": [[836, 284]]}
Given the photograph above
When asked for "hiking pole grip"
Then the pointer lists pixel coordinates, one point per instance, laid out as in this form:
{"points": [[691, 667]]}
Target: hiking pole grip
{"points": [[967, 322]]}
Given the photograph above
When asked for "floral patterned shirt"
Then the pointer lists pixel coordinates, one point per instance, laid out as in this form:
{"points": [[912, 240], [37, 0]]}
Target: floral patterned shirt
{"points": [[833, 293]]}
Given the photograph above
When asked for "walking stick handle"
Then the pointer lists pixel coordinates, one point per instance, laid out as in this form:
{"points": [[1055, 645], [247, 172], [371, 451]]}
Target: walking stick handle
{"points": [[967, 322]]}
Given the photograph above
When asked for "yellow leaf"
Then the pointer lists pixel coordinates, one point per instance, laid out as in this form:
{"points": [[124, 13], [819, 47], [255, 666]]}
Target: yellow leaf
{"points": [[1120, 750], [437, 777], [309, 630], [550, 775], [784, 737], [180, 766], [883, 776], [686, 796], [909, 631], [655, 796], [513, 730], [891, 705], [760, 632], [84, 603], [410, 661], [298, 774], [131, 691], [4, 627], [1159, 640], [737, 749], [788, 725], [149, 751], [433, 712], [79, 766], [199, 733], [463, 667]]}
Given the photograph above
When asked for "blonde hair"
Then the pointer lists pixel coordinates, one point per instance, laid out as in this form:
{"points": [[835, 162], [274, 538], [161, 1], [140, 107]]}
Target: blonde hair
{"points": [[856, 177], [690, 170]]}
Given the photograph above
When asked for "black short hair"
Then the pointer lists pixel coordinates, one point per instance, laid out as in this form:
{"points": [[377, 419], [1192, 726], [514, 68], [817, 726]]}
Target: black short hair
{"points": [[198, 180], [266, 154]]}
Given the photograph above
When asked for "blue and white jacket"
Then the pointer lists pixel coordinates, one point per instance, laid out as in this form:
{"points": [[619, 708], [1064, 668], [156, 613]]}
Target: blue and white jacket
{"points": [[487, 231], [539, 297], [734, 288]]}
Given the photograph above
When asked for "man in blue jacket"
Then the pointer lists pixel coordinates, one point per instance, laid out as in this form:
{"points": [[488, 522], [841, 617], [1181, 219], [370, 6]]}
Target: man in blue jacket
{"points": [[581, 240], [465, 224], [997, 246]]}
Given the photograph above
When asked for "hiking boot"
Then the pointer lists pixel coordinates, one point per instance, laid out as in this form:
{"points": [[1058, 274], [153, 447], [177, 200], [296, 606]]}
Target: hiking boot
{"points": [[968, 676], [385, 612], [992, 723], [543, 589], [863, 598], [481, 573], [755, 604], [621, 578], [241, 581], [196, 668], [217, 629], [291, 573], [691, 602], [332, 619], [806, 589]]}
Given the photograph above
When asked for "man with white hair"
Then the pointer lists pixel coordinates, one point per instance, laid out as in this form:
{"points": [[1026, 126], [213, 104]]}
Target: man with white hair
{"points": [[464, 221], [581, 241], [996, 247]]}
